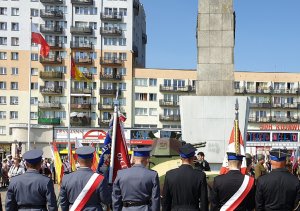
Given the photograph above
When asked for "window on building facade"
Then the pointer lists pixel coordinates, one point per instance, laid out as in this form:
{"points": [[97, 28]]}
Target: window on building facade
{"points": [[122, 41], [3, 40], [86, 10], [123, 11], [34, 71], [33, 115], [123, 56], [122, 101], [15, 26], [141, 111], [15, 11], [2, 100], [34, 57], [153, 111], [2, 70], [152, 96], [2, 85], [34, 12], [15, 41], [152, 82], [13, 115], [167, 82], [14, 56], [14, 100], [2, 114], [14, 71], [122, 86], [34, 101], [34, 86], [3, 55], [140, 82], [3, 11], [2, 130], [14, 86], [141, 96], [145, 126], [122, 71], [3, 26]]}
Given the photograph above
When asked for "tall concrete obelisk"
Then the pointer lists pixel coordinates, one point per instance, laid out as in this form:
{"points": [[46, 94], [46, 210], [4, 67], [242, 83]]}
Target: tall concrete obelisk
{"points": [[215, 43]]}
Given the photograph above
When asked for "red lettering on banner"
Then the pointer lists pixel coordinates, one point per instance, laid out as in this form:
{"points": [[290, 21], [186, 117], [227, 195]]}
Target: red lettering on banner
{"points": [[285, 127], [266, 127]]}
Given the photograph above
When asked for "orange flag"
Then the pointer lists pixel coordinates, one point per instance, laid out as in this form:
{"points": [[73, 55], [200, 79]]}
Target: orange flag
{"points": [[72, 160], [95, 160], [76, 74], [59, 171]]}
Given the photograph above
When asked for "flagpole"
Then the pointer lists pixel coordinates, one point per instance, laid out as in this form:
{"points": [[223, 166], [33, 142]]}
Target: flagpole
{"points": [[69, 111], [113, 141], [29, 89]]}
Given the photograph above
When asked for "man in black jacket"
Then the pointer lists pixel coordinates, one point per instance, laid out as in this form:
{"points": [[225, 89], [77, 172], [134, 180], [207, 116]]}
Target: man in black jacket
{"points": [[278, 190], [185, 187], [226, 187]]}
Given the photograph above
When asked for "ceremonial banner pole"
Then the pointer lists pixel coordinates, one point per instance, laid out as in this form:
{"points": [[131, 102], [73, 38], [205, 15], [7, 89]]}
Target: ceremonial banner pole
{"points": [[69, 111], [29, 89], [113, 142]]}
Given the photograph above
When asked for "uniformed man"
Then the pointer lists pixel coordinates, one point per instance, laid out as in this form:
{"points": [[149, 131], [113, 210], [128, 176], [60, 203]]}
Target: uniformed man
{"points": [[278, 190], [185, 187], [137, 188], [74, 185], [234, 183], [31, 190], [259, 168]]}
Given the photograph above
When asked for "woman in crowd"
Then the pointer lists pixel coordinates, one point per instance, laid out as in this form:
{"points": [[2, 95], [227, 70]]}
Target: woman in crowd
{"points": [[16, 169]]}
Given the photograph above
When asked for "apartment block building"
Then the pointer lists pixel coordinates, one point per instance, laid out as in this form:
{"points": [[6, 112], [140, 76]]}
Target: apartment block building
{"points": [[106, 39]]}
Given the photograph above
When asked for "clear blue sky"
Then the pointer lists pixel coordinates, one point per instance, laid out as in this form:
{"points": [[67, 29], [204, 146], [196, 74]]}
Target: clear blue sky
{"points": [[267, 34]]}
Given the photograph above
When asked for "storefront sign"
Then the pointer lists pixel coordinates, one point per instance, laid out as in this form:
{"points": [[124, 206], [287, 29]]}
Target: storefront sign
{"points": [[143, 137], [293, 127], [81, 134]]}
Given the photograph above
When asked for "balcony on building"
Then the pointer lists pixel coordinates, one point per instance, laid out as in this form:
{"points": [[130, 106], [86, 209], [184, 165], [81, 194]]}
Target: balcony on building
{"points": [[144, 38], [51, 29], [167, 103], [55, 44], [285, 105], [51, 75], [104, 91], [51, 60], [188, 88], [82, 2], [82, 91], [260, 105], [256, 119], [102, 106], [84, 61], [81, 45], [49, 105], [293, 91], [53, 14], [106, 31], [110, 77], [284, 119], [174, 118], [82, 30], [51, 90], [80, 121], [75, 105], [52, 1], [103, 123], [111, 61], [111, 17], [48, 121]]}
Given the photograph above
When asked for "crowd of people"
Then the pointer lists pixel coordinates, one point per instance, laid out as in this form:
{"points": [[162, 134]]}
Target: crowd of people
{"points": [[138, 188]]}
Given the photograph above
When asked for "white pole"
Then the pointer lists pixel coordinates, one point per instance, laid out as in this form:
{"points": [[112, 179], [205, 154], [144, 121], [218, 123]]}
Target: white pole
{"points": [[29, 87], [69, 112], [113, 141]]}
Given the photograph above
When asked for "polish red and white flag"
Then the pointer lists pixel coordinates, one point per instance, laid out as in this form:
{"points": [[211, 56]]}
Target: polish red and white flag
{"points": [[37, 37]]}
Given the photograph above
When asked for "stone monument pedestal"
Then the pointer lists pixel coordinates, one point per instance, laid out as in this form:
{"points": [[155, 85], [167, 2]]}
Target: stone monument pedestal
{"points": [[211, 120]]}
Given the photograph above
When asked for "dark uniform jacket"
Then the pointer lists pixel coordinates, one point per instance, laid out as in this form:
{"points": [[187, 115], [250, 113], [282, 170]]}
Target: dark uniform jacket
{"points": [[184, 188], [72, 185], [32, 191], [278, 190], [225, 186], [136, 184]]}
